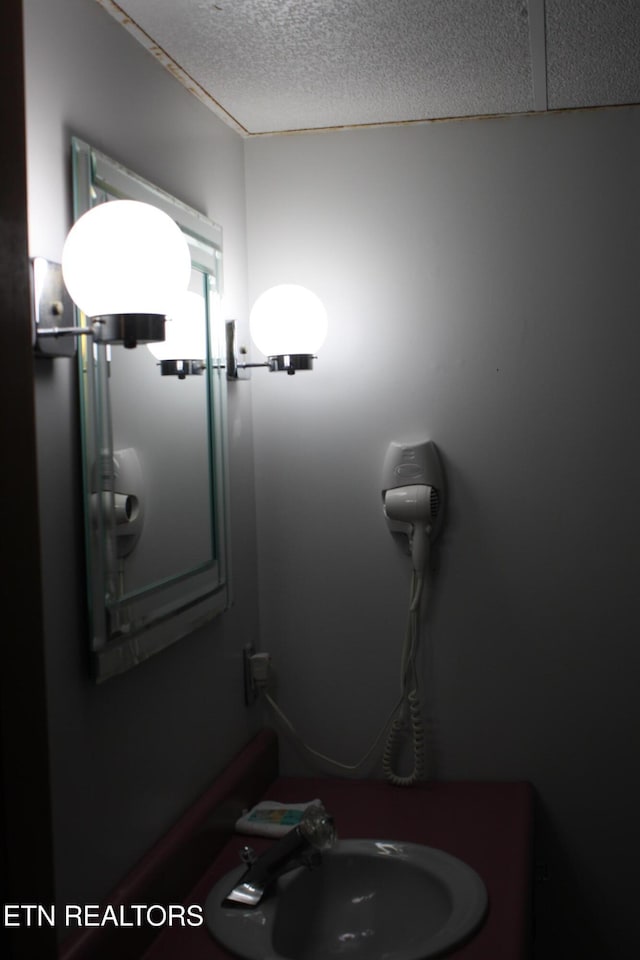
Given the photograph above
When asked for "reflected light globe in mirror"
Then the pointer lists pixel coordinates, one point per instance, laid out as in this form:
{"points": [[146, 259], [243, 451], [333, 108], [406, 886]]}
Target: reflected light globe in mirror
{"points": [[185, 331], [288, 319], [125, 257]]}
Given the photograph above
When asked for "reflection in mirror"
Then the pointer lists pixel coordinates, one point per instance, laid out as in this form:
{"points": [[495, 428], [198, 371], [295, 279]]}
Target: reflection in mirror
{"points": [[153, 430]]}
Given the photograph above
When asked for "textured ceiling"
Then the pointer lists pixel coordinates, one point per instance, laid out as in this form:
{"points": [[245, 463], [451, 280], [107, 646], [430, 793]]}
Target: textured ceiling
{"points": [[271, 66]]}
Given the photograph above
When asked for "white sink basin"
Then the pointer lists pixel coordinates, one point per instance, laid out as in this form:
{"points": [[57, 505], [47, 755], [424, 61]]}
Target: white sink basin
{"points": [[368, 899]]}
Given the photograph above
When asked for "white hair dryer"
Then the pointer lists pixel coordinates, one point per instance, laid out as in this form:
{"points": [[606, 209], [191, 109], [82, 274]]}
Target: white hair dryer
{"points": [[413, 496]]}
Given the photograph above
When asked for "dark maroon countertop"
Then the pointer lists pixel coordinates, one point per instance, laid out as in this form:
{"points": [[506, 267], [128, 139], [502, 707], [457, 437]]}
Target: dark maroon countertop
{"points": [[487, 825]]}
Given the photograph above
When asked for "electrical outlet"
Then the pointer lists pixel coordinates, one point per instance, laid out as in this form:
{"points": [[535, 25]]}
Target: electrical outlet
{"points": [[260, 664], [250, 691], [257, 672]]}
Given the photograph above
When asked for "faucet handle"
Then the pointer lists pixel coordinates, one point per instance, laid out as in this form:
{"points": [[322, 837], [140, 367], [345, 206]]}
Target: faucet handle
{"points": [[317, 827], [248, 855]]}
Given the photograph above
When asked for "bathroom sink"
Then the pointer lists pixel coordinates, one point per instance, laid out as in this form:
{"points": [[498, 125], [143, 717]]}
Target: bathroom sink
{"points": [[368, 899]]}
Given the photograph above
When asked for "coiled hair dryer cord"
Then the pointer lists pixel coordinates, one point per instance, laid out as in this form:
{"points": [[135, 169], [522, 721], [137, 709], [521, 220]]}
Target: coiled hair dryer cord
{"points": [[394, 725], [409, 711]]}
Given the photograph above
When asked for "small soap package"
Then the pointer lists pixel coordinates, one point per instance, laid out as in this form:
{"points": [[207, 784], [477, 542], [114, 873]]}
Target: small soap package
{"points": [[271, 819]]}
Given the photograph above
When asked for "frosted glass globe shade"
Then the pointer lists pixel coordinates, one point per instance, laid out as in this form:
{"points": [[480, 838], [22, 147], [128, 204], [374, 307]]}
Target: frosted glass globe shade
{"points": [[125, 257], [288, 319], [184, 331]]}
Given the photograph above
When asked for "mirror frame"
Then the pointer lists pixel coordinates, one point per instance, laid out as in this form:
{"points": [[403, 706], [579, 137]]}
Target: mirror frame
{"points": [[181, 603]]}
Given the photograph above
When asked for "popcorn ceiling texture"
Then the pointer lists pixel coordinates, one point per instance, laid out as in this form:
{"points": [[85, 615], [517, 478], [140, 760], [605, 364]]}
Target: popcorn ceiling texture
{"points": [[278, 65], [291, 64], [593, 52]]}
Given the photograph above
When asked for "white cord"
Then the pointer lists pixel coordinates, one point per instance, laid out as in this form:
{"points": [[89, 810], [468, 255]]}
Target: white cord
{"points": [[321, 756], [409, 699]]}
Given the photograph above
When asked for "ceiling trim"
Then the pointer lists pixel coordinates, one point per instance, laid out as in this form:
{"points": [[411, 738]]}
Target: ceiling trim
{"points": [[538, 48], [454, 119], [170, 64]]}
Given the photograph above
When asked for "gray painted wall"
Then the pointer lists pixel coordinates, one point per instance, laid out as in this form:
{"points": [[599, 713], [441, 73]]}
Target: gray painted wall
{"points": [[482, 284], [129, 756]]}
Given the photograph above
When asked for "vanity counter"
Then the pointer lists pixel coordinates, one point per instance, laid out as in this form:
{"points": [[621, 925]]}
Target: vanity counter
{"points": [[487, 825]]}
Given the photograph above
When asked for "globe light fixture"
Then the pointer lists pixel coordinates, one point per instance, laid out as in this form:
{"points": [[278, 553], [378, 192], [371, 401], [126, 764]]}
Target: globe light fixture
{"points": [[124, 264], [288, 324]]}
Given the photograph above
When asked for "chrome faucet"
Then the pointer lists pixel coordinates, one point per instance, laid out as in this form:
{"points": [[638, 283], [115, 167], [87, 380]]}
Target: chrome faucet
{"points": [[301, 846]]}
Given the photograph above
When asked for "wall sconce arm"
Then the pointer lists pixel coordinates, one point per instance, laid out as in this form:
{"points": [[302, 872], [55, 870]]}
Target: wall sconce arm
{"points": [[280, 363], [44, 332]]}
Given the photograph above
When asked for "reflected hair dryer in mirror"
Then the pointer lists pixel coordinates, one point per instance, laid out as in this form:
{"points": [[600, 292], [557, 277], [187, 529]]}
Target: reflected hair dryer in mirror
{"points": [[118, 486]]}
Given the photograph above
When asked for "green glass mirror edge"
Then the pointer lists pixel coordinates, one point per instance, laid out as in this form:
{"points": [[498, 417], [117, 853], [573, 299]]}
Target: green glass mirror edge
{"points": [[175, 578]]}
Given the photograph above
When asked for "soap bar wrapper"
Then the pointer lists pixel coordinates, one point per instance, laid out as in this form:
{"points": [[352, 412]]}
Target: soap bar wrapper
{"points": [[271, 819]]}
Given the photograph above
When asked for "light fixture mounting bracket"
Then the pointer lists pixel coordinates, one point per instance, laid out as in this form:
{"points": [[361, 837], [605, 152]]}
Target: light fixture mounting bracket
{"points": [[53, 332]]}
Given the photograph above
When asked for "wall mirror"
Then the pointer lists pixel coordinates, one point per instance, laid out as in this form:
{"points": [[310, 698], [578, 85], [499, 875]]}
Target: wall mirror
{"points": [[154, 454]]}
